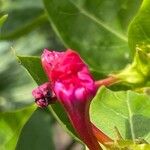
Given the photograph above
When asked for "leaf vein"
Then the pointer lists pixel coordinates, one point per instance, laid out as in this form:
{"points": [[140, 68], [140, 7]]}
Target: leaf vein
{"points": [[99, 22], [130, 116]]}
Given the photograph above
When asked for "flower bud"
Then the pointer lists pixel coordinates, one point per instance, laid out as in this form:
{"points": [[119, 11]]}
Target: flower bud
{"points": [[74, 87], [137, 73], [43, 95]]}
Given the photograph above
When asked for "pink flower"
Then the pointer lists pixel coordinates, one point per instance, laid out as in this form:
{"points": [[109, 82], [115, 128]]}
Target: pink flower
{"points": [[69, 75], [74, 87]]}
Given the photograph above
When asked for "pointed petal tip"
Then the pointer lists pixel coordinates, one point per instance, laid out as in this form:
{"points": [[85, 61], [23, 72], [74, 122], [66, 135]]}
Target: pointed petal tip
{"points": [[45, 52]]}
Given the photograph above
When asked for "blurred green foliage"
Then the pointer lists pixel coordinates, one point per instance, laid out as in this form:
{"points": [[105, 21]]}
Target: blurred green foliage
{"points": [[97, 29], [26, 31]]}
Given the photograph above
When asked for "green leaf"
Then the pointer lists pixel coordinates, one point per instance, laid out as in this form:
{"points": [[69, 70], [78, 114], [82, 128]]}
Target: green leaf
{"points": [[33, 66], [139, 29], [126, 110], [61, 116], [95, 28], [24, 29], [11, 124], [37, 132], [23, 17], [3, 19]]}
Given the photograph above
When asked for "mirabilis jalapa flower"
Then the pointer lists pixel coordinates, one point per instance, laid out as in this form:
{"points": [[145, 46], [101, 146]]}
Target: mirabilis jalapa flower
{"points": [[71, 82]]}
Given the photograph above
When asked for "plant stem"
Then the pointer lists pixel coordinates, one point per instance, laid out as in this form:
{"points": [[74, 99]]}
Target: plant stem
{"points": [[107, 82]]}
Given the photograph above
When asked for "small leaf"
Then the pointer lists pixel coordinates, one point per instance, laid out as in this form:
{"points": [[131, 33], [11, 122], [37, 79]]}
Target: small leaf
{"points": [[3, 19], [11, 124], [126, 110], [34, 67]]}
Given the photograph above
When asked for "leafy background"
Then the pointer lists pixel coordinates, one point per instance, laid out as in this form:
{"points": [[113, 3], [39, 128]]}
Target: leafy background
{"points": [[98, 30]]}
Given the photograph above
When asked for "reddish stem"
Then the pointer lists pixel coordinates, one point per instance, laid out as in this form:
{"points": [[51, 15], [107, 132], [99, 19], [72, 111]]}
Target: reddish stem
{"points": [[101, 137], [106, 82]]}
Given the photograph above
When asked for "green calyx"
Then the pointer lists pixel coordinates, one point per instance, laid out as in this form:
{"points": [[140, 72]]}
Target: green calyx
{"points": [[138, 72]]}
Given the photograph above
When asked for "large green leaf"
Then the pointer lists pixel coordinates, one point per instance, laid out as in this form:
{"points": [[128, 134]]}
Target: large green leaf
{"points": [[11, 124], [37, 132], [139, 30], [96, 28], [128, 111], [33, 66]]}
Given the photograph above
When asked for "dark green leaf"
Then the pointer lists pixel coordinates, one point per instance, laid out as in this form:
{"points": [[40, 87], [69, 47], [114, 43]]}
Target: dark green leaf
{"points": [[128, 111], [24, 16], [95, 28], [37, 132], [24, 29]]}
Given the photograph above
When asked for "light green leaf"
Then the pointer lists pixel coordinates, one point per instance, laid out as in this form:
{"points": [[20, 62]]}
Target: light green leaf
{"points": [[95, 28], [126, 110], [3, 19], [11, 124], [137, 73], [127, 145], [139, 29]]}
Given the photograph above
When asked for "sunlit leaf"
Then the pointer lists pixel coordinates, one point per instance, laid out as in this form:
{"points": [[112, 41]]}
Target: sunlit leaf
{"points": [[3, 19], [126, 110]]}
